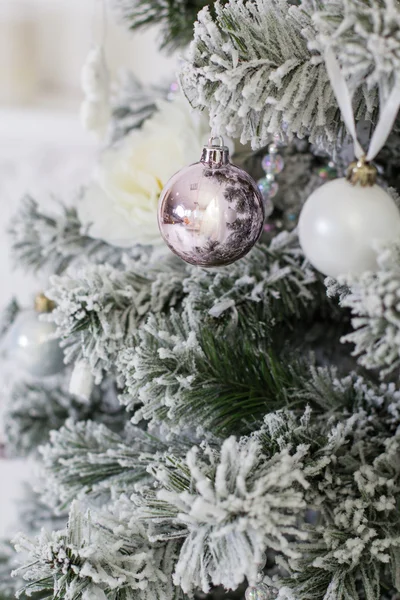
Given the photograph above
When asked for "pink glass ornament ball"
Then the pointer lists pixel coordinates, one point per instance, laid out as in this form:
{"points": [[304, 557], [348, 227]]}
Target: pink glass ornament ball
{"points": [[211, 213]]}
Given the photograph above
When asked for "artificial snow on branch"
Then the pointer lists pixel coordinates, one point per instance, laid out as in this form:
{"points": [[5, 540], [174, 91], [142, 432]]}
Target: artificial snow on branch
{"points": [[35, 408], [88, 458], [8, 316], [366, 37], [274, 277], [40, 239], [99, 307], [85, 561], [258, 66], [238, 504], [179, 374], [374, 302]]}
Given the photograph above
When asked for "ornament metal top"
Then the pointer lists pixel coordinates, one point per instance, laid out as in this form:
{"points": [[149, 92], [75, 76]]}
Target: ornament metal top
{"points": [[211, 213], [362, 172]]}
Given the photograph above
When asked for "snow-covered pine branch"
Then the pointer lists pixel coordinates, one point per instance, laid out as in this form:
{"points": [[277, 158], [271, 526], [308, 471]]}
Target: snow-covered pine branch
{"points": [[8, 585], [88, 562], [274, 277], [35, 408], [179, 374], [41, 239], [374, 302], [8, 316], [366, 38], [258, 66], [234, 503], [89, 459], [99, 307]]}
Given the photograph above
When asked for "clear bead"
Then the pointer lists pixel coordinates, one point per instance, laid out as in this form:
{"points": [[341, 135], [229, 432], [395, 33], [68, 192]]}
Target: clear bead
{"points": [[272, 163], [273, 149], [268, 188], [259, 592]]}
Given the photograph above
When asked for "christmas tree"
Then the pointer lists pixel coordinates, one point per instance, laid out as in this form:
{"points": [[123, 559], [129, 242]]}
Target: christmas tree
{"points": [[234, 430]]}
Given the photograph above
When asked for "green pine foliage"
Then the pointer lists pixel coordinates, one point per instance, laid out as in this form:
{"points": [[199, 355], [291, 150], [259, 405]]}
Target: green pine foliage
{"points": [[176, 18]]}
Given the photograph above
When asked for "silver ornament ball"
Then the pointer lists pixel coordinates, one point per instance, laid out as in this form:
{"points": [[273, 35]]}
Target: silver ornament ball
{"points": [[340, 225], [211, 213], [31, 347]]}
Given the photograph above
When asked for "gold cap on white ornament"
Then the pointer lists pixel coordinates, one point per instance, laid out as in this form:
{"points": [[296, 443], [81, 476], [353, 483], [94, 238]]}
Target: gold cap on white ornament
{"points": [[361, 171], [43, 304]]}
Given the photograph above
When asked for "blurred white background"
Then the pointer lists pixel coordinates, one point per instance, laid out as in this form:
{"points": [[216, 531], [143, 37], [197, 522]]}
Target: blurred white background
{"points": [[43, 148], [43, 44]]}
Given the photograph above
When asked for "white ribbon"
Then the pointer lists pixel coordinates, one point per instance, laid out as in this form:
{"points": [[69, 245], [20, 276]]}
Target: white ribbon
{"points": [[387, 115]]}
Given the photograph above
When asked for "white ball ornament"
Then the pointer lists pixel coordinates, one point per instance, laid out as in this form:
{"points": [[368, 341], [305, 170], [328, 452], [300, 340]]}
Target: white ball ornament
{"points": [[31, 342], [341, 223]]}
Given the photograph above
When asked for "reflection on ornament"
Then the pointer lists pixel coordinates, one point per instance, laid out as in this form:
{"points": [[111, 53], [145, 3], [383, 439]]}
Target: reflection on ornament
{"points": [[211, 213], [341, 223], [31, 344]]}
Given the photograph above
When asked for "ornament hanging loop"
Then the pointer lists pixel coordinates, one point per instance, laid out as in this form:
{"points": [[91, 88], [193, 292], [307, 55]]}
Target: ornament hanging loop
{"points": [[361, 171], [216, 137], [215, 155], [387, 114]]}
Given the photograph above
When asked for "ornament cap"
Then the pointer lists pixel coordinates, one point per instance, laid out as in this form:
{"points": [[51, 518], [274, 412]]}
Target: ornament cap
{"points": [[43, 304], [215, 155], [361, 171]]}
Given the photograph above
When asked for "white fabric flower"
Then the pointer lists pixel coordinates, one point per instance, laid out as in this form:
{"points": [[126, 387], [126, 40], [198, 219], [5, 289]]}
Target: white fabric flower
{"points": [[120, 205]]}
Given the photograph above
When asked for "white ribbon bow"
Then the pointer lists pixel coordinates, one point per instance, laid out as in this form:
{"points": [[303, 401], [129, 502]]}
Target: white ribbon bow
{"points": [[387, 115]]}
